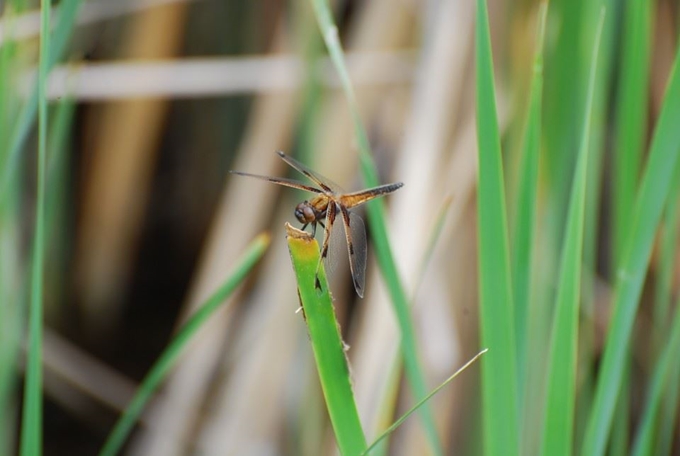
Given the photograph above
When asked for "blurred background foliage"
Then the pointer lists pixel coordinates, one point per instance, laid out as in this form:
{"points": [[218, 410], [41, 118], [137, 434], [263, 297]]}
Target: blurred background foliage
{"points": [[153, 101]]}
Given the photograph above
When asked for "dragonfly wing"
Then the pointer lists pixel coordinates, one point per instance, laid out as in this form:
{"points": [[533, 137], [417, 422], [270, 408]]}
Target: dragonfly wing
{"points": [[281, 181], [355, 234], [336, 246], [323, 182]]}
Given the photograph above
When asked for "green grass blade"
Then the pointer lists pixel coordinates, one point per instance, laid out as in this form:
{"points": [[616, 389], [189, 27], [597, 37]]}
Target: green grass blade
{"points": [[669, 409], [11, 279], [167, 360], [561, 396], [420, 403], [564, 81], [57, 162], [376, 218], [31, 427], [667, 252], [499, 368], [662, 317], [526, 204], [329, 350], [654, 188], [68, 11], [659, 384], [7, 96], [631, 115]]}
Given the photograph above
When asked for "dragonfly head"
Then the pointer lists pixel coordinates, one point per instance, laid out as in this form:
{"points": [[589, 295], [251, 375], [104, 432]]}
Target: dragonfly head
{"points": [[305, 213]]}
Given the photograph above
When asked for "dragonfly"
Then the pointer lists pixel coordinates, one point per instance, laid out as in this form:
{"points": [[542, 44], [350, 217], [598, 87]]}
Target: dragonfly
{"points": [[330, 203]]}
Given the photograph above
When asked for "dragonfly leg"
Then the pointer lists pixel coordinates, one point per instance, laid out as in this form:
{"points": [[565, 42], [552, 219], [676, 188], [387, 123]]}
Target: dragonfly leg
{"points": [[330, 218]]}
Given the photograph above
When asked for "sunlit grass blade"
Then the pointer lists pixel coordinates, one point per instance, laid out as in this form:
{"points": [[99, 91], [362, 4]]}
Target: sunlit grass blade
{"points": [[526, 199], [329, 350], [561, 395], [376, 218], [166, 361], [659, 384], [499, 368], [631, 115], [420, 403], [31, 426], [564, 86], [68, 11], [649, 203]]}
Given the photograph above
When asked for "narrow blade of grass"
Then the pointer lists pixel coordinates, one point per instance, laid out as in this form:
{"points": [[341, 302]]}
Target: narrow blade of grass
{"points": [[631, 115], [329, 350], [564, 81], [667, 364], [650, 200], [667, 253], [31, 427], [665, 423], [167, 360], [561, 395], [669, 410], [420, 403], [499, 368], [376, 218], [68, 11], [11, 280], [57, 161], [526, 204]]}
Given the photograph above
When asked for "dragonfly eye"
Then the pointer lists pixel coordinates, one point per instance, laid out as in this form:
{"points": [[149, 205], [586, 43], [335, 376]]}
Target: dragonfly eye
{"points": [[305, 213]]}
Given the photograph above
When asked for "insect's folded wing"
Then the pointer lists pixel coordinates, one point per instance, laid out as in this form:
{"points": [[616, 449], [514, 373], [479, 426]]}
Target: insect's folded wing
{"points": [[336, 250], [355, 233]]}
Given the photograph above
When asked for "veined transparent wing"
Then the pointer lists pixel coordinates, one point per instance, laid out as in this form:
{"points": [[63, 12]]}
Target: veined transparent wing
{"points": [[355, 237], [323, 182], [281, 181], [336, 246]]}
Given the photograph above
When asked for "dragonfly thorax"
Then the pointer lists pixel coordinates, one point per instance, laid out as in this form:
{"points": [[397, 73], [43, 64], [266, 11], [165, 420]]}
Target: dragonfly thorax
{"points": [[305, 213]]}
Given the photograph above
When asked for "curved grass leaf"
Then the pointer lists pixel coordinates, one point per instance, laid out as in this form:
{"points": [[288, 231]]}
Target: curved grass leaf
{"points": [[31, 425], [668, 244], [561, 396], [376, 218], [68, 11], [167, 360], [526, 204], [499, 374], [329, 350], [631, 114], [651, 197], [659, 384]]}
